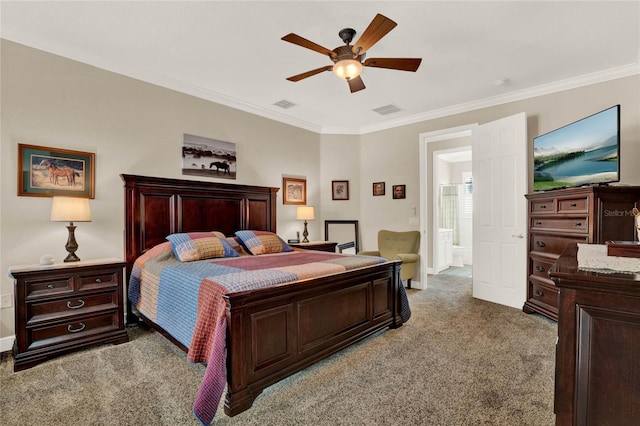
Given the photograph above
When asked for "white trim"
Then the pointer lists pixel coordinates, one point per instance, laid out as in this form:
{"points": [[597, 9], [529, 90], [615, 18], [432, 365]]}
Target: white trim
{"points": [[6, 343]]}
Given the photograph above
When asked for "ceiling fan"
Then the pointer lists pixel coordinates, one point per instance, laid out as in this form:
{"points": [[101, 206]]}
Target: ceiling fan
{"points": [[349, 59]]}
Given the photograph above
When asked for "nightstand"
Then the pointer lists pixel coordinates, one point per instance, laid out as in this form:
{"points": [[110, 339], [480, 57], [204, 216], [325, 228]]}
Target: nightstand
{"points": [[317, 245], [66, 306]]}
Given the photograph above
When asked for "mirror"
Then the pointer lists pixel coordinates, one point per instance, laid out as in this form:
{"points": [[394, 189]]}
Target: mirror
{"points": [[345, 233]]}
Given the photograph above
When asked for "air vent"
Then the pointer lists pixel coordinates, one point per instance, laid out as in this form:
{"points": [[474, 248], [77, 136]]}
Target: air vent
{"points": [[285, 104], [387, 109]]}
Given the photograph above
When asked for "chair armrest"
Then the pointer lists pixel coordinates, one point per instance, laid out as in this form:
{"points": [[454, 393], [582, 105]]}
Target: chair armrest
{"points": [[369, 253], [407, 257]]}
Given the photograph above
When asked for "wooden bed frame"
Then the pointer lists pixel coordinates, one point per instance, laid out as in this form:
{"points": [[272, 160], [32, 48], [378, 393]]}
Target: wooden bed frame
{"points": [[272, 332]]}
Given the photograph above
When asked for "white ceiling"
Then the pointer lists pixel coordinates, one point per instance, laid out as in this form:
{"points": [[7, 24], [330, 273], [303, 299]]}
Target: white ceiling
{"points": [[230, 52]]}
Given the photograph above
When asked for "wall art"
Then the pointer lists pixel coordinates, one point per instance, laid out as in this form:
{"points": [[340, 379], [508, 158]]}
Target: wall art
{"points": [[45, 172], [206, 157]]}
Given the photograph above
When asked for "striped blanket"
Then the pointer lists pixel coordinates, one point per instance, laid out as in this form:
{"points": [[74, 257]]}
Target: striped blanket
{"points": [[185, 299]]}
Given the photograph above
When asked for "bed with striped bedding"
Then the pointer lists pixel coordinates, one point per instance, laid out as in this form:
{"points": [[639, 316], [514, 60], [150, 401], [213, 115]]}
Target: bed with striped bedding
{"points": [[190, 300]]}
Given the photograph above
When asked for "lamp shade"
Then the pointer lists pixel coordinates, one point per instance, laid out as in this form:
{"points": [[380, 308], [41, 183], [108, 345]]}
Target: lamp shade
{"points": [[305, 213], [347, 69], [70, 209]]}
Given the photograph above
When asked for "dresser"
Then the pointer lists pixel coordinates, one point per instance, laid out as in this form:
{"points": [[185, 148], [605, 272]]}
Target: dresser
{"points": [[593, 214], [597, 366], [64, 307]]}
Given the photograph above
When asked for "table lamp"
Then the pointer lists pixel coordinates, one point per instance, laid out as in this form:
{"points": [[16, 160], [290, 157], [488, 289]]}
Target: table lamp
{"points": [[305, 213], [70, 209]]}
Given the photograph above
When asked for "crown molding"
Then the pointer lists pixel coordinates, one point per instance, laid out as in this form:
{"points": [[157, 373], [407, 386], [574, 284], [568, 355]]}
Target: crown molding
{"points": [[200, 92]]}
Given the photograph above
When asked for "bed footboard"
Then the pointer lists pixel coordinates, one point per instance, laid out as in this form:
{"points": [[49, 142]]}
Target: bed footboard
{"points": [[279, 331]]}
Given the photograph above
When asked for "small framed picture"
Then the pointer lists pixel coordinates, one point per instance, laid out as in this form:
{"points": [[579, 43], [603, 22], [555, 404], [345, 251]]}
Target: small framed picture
{"points": [[399, 192], [45, 172], [378, 188], [294, 191], [339, 189]]}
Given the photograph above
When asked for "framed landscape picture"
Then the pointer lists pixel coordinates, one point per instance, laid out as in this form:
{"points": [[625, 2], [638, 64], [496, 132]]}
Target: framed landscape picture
{"points": [[294, 191], [339, 189], [45, 172]]}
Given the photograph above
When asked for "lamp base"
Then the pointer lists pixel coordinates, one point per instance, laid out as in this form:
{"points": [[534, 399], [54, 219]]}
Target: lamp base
{"points": [[305, 234], [71, 245]]}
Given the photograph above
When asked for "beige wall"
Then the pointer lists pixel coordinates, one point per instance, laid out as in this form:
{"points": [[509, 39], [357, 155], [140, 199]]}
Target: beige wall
{"points": [[393, 155], [134, 127]]}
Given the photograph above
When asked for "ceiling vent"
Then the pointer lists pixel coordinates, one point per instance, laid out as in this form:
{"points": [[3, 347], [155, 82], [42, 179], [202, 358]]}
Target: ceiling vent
{"points": [[387, 109], [285, 104]]}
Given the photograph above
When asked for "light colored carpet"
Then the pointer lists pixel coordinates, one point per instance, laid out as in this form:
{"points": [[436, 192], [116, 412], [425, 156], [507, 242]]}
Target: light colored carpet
{"points": [[458, 361]]}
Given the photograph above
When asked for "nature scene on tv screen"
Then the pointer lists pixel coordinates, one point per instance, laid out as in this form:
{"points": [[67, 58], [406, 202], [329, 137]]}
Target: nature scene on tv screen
{"points": [[581, 153]]}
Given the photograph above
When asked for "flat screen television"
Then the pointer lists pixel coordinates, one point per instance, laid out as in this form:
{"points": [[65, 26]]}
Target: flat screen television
{"points": [[585, 152]]}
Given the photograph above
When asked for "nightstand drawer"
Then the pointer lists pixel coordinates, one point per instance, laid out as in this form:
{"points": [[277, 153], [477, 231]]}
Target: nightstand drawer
{"points": [[95, 281], [51, 310], [47, 287], [75, 329]]}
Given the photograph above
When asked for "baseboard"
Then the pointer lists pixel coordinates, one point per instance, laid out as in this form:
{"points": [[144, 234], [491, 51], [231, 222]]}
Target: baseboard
{"points": [[6, 343]]}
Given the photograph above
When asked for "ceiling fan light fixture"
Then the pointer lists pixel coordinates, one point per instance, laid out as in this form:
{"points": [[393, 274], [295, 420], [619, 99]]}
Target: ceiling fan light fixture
{"points": [[347, 69]]}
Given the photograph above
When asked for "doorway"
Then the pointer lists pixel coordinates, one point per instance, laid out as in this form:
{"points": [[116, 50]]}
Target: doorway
{"points": [[437, 149], [453, 209]]}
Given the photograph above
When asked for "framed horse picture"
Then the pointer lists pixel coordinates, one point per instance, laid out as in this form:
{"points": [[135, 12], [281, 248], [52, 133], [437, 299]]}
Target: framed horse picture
{"points": [[207, 157], [45, 172]]}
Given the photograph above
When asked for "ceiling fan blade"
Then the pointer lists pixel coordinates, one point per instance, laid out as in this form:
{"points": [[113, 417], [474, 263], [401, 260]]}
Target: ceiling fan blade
{"points": [[301, 41], [402, 64], [356, 84], [310, 73], [377, 29]]}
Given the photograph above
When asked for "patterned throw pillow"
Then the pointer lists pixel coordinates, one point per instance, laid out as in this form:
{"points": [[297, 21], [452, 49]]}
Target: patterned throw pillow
{"points": [[192, 246], [262, 242]]}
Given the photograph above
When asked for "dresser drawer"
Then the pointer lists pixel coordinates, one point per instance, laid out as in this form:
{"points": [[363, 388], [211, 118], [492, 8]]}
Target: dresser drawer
{"points": [[542, 293], [38, 312], [554, 244], [543, 206], [48, 286], [580, 224], [540, 266], [573, 205], [70, 330]]}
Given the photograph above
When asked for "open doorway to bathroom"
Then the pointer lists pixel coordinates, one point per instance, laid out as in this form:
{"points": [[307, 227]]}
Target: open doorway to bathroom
{"points": [[453, 210]]}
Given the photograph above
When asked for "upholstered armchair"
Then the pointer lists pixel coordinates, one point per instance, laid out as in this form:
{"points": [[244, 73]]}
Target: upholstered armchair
{"points": [[399, 246]]}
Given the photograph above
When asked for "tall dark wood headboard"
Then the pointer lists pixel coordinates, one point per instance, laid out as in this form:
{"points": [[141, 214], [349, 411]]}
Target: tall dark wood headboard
{"points": [[156, 207]]}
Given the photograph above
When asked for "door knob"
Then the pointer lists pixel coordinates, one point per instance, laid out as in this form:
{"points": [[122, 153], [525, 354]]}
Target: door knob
{"points": [[521, 236]]}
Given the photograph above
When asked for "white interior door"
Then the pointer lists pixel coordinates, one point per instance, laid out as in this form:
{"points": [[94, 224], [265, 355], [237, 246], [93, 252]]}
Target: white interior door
{"points": [[499, 213]]}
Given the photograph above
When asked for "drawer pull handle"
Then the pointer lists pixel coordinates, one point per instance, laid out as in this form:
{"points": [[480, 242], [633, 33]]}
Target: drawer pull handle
{"points": [[70, 328], [540, 243], [573, 205], [538, 293], [98, 280], [78, 306], [539, 268], [538, 223], [543, 206], [49, 285], [578, 224]]}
